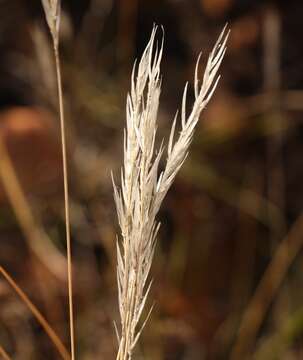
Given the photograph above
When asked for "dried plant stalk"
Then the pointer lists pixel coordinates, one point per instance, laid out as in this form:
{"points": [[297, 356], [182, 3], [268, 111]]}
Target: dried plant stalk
{"points": [[4, 354], [142, 187], [40, 318], [52, 9]]}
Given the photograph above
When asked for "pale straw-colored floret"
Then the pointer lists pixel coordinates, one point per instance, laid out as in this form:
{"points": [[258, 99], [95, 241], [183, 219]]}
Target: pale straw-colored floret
{"points": [[52, 9], [143, 188]]}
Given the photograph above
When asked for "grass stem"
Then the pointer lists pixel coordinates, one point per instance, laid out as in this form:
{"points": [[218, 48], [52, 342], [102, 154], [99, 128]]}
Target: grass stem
{"points": [[66, 200]]}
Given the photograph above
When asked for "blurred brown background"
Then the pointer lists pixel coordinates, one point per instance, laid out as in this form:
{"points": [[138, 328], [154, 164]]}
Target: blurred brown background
{"points": [[228, 266]]}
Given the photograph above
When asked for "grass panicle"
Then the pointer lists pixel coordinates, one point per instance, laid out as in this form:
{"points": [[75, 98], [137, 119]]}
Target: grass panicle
{"points": [[143, 188]]}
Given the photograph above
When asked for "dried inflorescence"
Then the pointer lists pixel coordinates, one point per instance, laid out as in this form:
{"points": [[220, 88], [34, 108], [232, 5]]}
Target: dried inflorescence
{"points": [[52, 9], [142, 187]]}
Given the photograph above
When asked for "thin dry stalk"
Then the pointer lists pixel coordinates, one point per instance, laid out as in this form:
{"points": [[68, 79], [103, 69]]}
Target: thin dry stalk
{"points": [[142, 187], [37, 238], [52, 10], [267, 289], [4, 354], [40, 318], [66, 201]]}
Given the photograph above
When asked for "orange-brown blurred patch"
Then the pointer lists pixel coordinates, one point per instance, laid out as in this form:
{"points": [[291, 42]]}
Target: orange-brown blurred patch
{"points": [[225, 116], [33, 145], [200, 313], [216, 8], [244, 32]]}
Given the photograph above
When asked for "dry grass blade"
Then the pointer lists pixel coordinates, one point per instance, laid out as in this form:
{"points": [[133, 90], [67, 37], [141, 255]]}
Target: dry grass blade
{"points": [[52, 10], [37, 238], [4, 354], [265, 293], [142, 187], [40, 318]]}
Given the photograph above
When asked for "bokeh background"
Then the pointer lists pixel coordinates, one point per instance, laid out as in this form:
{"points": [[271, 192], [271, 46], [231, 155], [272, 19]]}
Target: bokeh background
{"points": [[228, 267]]}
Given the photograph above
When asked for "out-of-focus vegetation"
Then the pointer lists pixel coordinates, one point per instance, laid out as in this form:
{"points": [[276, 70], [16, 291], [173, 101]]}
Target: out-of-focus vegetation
{"points": [[228, 266]]}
